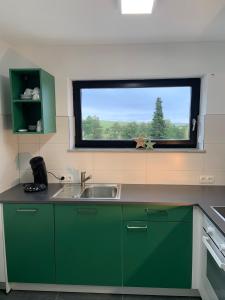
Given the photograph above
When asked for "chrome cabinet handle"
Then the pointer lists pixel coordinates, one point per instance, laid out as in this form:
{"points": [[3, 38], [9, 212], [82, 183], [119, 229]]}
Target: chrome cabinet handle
{"points": [[137, 227], [130, 227], [27, 210]]}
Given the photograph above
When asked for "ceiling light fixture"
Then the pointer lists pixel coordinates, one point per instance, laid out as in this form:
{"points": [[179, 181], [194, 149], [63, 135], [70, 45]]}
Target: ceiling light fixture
{"points": [[137, 6]]}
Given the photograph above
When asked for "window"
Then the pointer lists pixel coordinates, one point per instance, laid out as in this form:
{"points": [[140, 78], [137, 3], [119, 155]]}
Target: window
{"points": [[112, 113]]}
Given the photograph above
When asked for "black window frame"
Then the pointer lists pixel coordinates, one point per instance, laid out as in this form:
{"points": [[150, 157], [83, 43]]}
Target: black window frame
{"points": [[194, 83]]}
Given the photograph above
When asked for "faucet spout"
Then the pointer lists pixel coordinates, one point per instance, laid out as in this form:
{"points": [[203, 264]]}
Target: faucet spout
{"points": [[83, 179]]}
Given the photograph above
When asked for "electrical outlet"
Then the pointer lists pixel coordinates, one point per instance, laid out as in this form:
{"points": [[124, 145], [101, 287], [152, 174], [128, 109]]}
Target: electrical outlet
{"points": [[207, 179]]}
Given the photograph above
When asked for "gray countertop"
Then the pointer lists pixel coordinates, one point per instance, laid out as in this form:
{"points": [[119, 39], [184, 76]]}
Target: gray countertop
{"points": [[203, 196]]}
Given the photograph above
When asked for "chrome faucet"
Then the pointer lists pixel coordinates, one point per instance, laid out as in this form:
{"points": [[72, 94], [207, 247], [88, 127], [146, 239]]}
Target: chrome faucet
{"points": [[83, 179]]}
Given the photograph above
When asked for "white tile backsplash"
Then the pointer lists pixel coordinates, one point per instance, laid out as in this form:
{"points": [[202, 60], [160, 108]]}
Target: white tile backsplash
{"points": [[219, 177], [174, 161], [62, 133], [26, 176], [119, 161], [26, 152], [9, 170], [57, 157], [119, 176], [138, 168], [214, 158], [28, 139], [173, 177]]}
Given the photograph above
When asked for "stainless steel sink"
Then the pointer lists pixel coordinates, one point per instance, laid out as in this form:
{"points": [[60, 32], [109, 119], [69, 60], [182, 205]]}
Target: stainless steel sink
{"points": [[101, 192], [90, 191]]}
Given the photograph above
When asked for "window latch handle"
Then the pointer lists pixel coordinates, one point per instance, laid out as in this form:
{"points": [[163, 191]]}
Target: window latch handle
{"points": [[194, 122]]}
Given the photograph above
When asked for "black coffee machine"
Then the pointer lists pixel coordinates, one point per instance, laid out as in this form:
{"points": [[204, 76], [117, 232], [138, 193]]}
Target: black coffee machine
{"points": [[40, 175]]}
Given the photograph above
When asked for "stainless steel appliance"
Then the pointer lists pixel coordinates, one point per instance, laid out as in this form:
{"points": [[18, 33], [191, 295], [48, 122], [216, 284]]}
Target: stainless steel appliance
{"points": [[214, 246], [220, 210]]}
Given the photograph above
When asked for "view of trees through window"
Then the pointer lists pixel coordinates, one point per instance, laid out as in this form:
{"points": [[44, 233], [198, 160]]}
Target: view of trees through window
{"points": [[124, 114]]}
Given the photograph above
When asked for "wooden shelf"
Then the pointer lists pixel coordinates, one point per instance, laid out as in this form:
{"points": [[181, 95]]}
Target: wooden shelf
{"points": [[26, 101], [29, 132]]}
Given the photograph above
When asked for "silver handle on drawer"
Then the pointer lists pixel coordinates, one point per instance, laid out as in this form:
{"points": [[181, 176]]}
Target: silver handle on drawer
{"points": [[220, 264], [27, 210], [137, 227]]}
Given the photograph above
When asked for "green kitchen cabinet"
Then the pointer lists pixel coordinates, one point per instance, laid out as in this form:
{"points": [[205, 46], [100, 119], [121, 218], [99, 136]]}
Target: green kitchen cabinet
{"points": [[157, 254], [88, 244], [29, 235], [156, 212], [27, 112]]}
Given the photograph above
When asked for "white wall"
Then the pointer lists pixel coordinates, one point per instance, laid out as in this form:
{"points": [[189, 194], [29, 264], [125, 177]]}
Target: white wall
{"points": [[3, 48], [9, 164], [131, 61], [9, 171]]}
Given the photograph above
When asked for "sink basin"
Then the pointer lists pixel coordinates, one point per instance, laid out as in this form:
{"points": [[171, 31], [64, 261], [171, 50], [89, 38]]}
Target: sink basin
{"points": [[220, 210], [101, 191], [91, 191]]}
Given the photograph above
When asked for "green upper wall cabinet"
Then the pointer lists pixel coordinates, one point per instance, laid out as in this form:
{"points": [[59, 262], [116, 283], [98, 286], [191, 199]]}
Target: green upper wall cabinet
{"points": [[29, 235], [27, 112], [88, 244]]}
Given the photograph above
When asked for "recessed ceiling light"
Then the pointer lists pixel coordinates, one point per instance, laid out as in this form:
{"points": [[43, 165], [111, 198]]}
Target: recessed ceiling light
{"points": [[137, 6]]}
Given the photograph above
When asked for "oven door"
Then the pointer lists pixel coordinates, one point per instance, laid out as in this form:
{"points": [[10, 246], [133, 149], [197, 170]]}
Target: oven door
{"points": [[215, 268]]}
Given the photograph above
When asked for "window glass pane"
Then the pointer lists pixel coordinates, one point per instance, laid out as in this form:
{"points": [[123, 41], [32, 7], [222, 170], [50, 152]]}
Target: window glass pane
{"points": [[126, 113]]}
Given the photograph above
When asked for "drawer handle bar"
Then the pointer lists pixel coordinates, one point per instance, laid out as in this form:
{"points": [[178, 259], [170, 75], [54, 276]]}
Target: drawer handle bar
{"points": [[150, 211], [27, 210], [137, 227], [220, 264]]}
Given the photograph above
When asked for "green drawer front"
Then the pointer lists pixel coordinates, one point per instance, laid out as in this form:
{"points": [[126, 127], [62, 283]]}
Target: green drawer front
{"points": [[157, 213], [29, 234]]}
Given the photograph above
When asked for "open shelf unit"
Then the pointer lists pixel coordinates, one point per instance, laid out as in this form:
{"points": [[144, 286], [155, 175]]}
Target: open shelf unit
{"points": [[27, 112]]}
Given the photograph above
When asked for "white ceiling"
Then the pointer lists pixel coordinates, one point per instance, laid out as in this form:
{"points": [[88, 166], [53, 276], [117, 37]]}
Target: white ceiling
{"points": [[69, 22]]}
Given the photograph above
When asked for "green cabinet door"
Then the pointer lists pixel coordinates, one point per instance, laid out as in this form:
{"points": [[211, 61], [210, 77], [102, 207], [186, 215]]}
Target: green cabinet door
{"points": [[157, 254], [88, 244], [29, 234]]}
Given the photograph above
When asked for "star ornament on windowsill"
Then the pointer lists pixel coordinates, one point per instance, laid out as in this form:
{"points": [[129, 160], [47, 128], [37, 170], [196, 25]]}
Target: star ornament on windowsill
{"points": [[149, 145], [144, 144], [140, 142]]}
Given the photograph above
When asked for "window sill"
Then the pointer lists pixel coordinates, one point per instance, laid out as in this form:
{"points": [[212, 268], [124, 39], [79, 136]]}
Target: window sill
{"points": [[128, 150]]}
